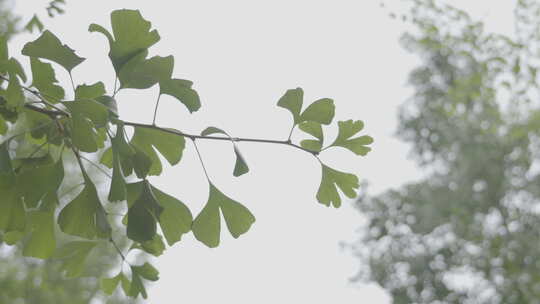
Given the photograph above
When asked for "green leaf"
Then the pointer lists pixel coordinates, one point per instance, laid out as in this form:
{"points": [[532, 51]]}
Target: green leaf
{"points": [[42, 241], [213, 130], [73, 256], [181, 90], [90, 91], [328, 193], [147, 271], [206, 226], [48, 46], [311, 144], [84, 216], [15, 68], [91, 109], [175, 219], [143, 215], [34, 183], [117, 191], [12, 213], [155, 246], [13, 95], [132, 35], [33, 24], [240, 167], [83, 135], [140, 73], [292, 101], [110, 103], [108, 285], [321, 111], [312, 128], [137, 286], [349, 128], [44, 79], [171, 146]]}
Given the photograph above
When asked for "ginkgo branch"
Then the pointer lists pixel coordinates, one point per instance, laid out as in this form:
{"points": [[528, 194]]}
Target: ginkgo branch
{"points": [[234, 139]]}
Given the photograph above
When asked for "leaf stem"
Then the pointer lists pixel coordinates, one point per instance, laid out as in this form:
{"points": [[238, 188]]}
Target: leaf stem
{"points": [[290, 133], [118, 249], [155, 110], [201, 160], [72, 84]]}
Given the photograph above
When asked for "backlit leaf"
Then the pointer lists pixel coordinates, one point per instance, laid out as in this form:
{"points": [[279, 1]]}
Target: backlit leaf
{"points": [[206, 226], [144, 73], [328, 193], [90, 91], [44, 79], [358, 145], [292, 101], [181, 90], [48, 46], [143, 215], [321, 111], [73, 256], [42, 241]]}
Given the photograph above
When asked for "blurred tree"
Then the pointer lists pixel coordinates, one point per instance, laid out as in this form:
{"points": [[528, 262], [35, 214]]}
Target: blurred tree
{"points": [[33, 281], [469, 232]]}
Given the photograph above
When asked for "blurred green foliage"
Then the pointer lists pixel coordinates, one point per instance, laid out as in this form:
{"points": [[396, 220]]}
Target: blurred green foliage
{"points": [[469, 232]]}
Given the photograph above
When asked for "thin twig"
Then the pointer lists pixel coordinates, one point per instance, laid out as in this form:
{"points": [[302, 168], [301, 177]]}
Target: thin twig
{"points": [[118, 249], [96, 166], [40, 96], [234, 139]]}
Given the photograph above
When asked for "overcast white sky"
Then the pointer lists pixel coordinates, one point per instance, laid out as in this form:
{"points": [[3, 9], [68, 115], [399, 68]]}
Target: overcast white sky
{"points": [[242, 56]]}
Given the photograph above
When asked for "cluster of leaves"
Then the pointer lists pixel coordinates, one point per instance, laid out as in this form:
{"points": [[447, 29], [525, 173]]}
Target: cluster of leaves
{"points": [[32, 160], [473, 123]]}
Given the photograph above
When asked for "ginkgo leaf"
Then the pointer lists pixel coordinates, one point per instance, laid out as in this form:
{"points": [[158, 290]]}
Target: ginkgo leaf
{"points": [[83, 135], [175, 219], [155, 246], [12, 213], [108, 285], [171, 146], [181, 90], [132, 35], [48, 46], [14, 68], [90, 91], [34, 183], [143, 215], [117, 191], [42, 241], [313, 128], [328, 193], [311, 144], [145, 271], [13, 95], [358, 145], [321, 111], [213, 130], [206, 226], [44, 79], [240, 166], [292, 101], [91, 109], [84, 215], [73, 256], [140, 73], [33, 24]]}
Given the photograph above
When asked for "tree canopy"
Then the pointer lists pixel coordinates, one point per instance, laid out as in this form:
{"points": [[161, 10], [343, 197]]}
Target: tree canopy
{"points": [[45, 126], [468, 231]]}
